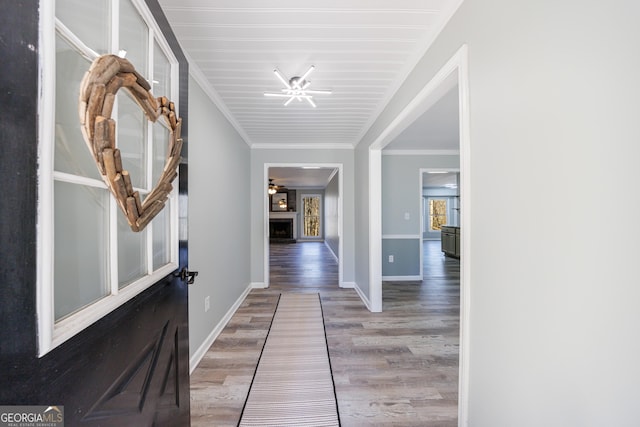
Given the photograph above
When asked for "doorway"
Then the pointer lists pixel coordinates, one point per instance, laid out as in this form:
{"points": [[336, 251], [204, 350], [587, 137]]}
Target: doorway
{"points": [[316, 186], [454, 72]]}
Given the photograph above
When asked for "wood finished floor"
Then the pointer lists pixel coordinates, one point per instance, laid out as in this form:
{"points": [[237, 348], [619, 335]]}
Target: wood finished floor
{"points": [[395, 368]]}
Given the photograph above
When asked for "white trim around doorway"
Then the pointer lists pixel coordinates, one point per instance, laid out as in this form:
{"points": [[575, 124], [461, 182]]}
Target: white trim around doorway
{"points": [[454, 71], [265, 210]]}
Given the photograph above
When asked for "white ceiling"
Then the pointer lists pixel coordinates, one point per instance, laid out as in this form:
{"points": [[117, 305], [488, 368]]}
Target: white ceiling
{"points": [[362, 51], [439, 180], [300, 178]]}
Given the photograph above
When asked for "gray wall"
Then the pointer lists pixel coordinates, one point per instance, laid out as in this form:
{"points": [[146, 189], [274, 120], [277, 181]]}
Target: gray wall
{"points": [[331, 194], [401, 195], [361, 205], [401, 192], [260, 157], [406, 258], [219, 206], [553, 307]]}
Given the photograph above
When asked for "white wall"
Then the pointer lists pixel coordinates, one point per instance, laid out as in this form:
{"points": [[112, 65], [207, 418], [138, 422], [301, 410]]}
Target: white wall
{"points": [[554, 307], [260, 157], [219, 233]]}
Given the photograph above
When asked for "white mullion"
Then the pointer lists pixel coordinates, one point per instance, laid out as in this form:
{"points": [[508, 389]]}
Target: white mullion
{"points": [[175, 200], [74, 41], [78, 179], [149, 171], [113, 246], [113, 207], [174, 223], [115, 26], [150, 183], [46, 224], [175, 217], [175, 82]]}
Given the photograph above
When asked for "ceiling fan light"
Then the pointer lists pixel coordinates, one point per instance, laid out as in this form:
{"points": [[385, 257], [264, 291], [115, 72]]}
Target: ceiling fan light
{"points": [[273, 189], [296, 88]]}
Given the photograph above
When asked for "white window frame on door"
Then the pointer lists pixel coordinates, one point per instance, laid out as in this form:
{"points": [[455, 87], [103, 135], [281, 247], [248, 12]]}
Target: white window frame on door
{"points": [[52, 333], [320, 216]]}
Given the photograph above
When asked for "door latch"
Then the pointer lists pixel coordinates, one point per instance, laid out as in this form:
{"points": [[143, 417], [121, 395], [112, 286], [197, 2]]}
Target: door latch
{"points": [[187, 276]]}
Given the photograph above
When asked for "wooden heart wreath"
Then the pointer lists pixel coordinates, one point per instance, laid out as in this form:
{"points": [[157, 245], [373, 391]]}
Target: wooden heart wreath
{"points": [[98, 89]]}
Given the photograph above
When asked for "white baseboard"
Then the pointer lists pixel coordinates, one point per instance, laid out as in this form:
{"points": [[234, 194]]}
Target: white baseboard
{"points": [[348, 285], [402, 278], [362, 296], [258, 285], [202, 350]]}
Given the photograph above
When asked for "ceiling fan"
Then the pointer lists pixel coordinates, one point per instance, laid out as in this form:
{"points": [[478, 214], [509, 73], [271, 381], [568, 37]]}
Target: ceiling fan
{"points": [[273, 189], [297, 88]]}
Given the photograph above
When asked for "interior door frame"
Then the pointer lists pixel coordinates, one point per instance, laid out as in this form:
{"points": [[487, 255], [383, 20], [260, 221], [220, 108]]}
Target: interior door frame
{"points": [[456, 70], [265, 210]]}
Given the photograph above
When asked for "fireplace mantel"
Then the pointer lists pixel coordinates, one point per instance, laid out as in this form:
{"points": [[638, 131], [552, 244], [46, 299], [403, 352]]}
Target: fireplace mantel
{"points": [[287, 215]]}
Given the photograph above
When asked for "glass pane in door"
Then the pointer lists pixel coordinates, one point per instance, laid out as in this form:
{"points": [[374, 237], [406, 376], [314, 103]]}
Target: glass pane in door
{"points": [[81, 249], [88, 20]]}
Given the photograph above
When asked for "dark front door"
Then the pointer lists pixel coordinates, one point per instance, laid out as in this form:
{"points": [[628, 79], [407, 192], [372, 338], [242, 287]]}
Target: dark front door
{"points": [[131, 368]]}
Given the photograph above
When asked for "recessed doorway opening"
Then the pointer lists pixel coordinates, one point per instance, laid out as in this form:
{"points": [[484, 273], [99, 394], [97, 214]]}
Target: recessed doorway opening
{"points": [[454, 72], [313, 194]]}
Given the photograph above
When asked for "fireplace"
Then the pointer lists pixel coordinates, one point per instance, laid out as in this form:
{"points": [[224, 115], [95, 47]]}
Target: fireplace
{"points": [[281, 230]]}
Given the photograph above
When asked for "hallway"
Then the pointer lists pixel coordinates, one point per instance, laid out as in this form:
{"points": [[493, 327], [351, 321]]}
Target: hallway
{"points": [[398, 367]]}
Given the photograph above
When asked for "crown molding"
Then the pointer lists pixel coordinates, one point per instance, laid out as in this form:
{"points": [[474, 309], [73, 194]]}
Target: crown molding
{"points": [[200, 78], [420, 152], [302, 146]]}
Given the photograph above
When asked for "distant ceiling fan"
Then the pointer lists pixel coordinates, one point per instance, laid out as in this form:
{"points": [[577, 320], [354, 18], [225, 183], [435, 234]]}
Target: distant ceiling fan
{"points": [[297, 88], [272, 189]]}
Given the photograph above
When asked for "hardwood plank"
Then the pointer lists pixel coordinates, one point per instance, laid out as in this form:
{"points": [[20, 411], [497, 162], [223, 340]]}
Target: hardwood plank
{"points": [[398, 367]]}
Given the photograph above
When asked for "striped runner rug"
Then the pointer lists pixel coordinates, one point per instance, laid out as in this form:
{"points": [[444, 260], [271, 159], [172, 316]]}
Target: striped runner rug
{"points": [[293, 385]]}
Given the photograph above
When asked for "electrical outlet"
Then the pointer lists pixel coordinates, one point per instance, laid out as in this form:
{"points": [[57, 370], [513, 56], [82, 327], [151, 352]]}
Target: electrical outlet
{"points": [[407, 216], [207, 304], [390, 258]]}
